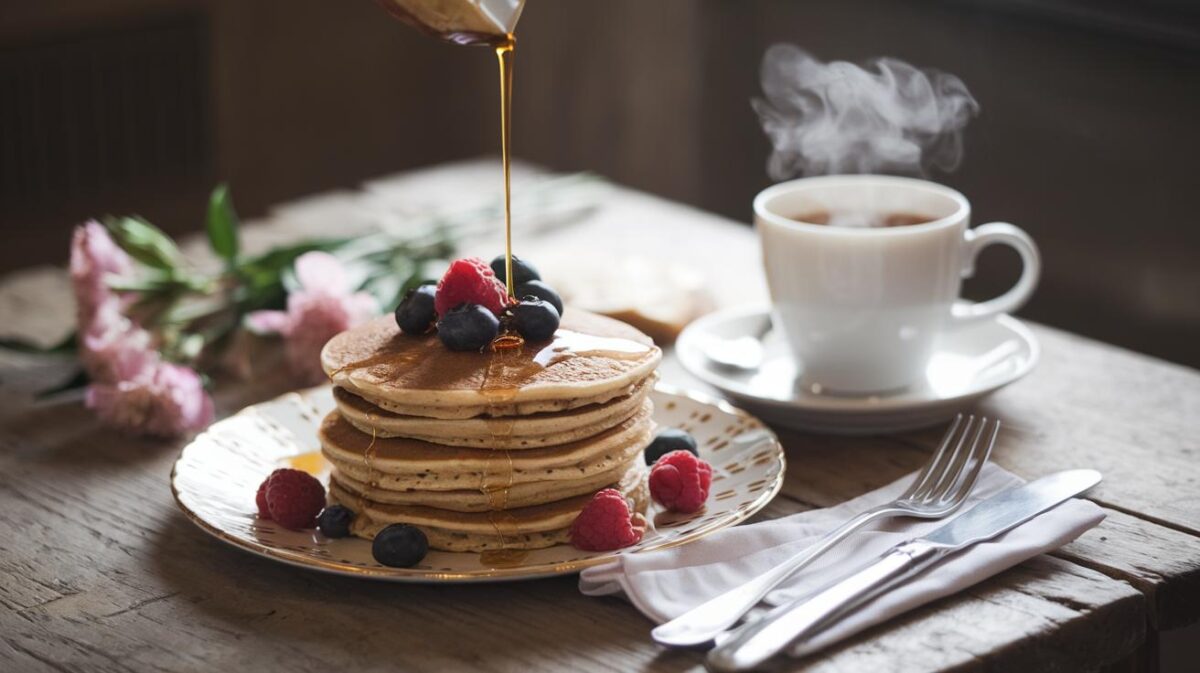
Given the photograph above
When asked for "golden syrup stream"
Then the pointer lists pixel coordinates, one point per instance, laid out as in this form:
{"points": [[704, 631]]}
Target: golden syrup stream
{"points": [[505, 51]]}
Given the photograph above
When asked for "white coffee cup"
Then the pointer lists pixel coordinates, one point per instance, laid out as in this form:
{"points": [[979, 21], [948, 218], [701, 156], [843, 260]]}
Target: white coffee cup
{"points": [[862, 307]]}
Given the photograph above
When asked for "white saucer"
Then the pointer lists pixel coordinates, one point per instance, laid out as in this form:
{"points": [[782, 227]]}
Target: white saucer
{"points": [[970, 361]]}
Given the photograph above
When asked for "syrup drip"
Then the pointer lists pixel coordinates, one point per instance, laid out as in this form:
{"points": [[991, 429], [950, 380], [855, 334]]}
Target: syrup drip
{"points": [[569, 344], [373, 474], [389, 358], [506, 367], [507, 341]]}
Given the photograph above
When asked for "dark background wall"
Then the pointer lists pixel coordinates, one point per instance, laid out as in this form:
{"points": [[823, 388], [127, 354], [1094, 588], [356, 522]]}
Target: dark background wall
{"points": [[1088, 135]]}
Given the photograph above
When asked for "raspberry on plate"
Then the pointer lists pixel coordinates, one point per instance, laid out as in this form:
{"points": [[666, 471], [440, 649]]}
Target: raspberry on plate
{"points": [[294, 498], [470, 281], [606, 523], [260, 499], [679, 481]]}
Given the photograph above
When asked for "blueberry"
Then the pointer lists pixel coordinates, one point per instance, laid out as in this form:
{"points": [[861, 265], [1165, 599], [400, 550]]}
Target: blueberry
{"points": [[668, 440], [536, 288], [415, 313], [468, 327], [523, 271], [400, 546], [535, 319], [335, 521]]}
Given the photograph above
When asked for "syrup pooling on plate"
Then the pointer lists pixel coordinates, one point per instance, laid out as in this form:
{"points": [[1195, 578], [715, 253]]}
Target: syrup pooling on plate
{"points": [[312, 462]]}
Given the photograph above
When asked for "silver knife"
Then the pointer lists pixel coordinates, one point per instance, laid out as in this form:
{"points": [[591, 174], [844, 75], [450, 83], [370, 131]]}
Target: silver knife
{"points": [[753, 643]]}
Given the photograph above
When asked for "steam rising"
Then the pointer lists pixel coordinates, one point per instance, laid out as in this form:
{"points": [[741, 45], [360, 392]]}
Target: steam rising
{"points": [[839, 117]]}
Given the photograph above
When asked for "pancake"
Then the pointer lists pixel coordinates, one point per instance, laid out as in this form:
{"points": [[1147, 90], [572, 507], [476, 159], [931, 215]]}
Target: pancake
{"points": [[398, 464], [524, 528], [523, 494], [512, 432], [592, 359]]}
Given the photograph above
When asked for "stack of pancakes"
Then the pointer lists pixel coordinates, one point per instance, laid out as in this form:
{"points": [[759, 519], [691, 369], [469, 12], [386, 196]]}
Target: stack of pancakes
{"points": [[492, 450]]}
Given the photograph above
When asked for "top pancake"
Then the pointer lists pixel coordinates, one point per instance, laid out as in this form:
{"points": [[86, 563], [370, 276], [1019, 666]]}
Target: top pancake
{"points": [[590, 357]]}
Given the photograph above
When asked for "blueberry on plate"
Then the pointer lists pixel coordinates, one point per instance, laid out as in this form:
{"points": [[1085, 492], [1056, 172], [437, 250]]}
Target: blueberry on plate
{"points": [[668, 440], [415, 313], [536, 288], [335, 521], [523, 271], [400, 546], [535, 319], [468, 327]]}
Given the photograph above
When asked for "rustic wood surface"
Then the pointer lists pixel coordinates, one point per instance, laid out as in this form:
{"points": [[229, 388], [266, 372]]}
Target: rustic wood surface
{"points": [[99, 571]]}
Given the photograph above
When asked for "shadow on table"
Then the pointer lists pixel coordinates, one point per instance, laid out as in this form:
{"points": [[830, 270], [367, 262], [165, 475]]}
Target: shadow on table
{"points": [[365, 624], [67, 435]]}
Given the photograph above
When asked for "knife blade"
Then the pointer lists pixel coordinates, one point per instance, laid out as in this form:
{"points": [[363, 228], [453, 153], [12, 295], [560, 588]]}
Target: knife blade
{"points": [[753, 643]]}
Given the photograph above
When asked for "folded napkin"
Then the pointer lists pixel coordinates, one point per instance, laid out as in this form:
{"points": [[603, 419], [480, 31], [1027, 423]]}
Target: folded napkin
{"points": [[665, 584]]}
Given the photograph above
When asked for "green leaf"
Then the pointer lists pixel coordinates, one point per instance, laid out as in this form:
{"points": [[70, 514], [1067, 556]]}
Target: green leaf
{"points": [[262, 276], [223, 224], [161, 282], [144, 242]]}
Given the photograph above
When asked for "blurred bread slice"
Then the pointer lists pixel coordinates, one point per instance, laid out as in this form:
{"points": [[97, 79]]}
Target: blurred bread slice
{"points": [[657, 299]]}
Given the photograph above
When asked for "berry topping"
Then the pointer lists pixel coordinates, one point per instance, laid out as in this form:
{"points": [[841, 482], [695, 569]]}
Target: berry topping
{"points": [[607, 523], [415, 314], [294, 498], [535, 319], [540, 290], [470, 281], [400, 546], [469, 327], [335, 521], [523, 271], [679, 481], [668, 440], [260, 499]]}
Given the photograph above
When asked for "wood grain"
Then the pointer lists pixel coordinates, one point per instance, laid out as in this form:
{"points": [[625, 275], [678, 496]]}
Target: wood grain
{"points": [[100, 572]]}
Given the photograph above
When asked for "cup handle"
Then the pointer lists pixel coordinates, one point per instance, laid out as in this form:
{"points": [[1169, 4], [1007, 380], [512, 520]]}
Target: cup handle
{"points": [[979, 238]]}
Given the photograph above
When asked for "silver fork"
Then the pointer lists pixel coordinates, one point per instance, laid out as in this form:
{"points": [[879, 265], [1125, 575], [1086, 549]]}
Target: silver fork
{"points": [[939, 490]]}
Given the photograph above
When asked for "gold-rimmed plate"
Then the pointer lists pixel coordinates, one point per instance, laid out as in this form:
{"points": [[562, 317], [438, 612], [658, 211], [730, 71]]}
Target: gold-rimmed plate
{"points": [[218, 473]]}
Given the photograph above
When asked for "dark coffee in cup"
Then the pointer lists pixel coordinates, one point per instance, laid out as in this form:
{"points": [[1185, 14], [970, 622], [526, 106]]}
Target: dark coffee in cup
{"points": [[861, 218]]}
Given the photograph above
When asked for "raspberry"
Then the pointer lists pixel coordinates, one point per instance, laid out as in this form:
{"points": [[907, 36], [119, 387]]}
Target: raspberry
{"points": [[470, 281], [679, 481], [260, 499], [294, 498], [606, 523]]}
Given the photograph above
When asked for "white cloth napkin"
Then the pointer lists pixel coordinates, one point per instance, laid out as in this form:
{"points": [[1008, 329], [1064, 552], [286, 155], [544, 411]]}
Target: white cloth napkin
{"points": [[665, 584]]}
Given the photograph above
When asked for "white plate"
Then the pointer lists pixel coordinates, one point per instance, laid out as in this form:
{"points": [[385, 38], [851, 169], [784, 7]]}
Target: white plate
{"points": [[970, 361], [218, 473]]}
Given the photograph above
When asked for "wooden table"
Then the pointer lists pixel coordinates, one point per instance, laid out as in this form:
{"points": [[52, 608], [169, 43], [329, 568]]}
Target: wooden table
{"points": [[99, 571]]}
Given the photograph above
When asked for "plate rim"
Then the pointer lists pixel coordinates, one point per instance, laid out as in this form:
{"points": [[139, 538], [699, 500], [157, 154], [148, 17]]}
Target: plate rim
{"points": [[515, 573], [844, 406]]}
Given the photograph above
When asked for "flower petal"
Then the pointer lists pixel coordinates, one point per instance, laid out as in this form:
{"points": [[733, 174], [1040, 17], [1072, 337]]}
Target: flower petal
{"points": [[267, 322], [321, 272]]}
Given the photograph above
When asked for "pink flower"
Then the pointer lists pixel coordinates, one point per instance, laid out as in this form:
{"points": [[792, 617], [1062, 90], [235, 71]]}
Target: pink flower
{"points": [[94, 257], [112, 348], [323, 307], [163, 400]]}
